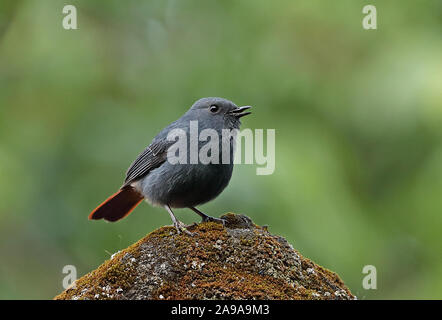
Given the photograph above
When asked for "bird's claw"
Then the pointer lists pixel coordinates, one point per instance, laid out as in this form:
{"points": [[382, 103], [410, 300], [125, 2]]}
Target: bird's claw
{"points": [[181, 227]]}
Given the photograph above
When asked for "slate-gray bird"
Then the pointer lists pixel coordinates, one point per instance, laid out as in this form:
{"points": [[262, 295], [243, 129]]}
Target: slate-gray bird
{"points": [[153, 178]]}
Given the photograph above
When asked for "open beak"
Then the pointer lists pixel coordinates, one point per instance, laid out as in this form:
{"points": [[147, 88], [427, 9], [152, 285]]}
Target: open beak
{"points": [[239, 112]]}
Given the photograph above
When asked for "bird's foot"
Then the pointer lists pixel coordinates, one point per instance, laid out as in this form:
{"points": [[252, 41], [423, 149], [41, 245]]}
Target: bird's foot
{"points": [[213, 219], [181, 227]]}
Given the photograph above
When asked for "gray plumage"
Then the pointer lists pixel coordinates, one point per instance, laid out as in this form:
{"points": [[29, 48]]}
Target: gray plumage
{"points": [[168, 185]]}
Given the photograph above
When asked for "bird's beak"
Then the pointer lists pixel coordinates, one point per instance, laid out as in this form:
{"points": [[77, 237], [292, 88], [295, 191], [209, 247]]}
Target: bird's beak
{"points": [[239, 112]]}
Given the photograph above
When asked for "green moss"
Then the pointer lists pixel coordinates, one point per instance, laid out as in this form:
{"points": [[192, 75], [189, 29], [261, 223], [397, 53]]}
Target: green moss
{"points": [[218, 262], [112, 276]]}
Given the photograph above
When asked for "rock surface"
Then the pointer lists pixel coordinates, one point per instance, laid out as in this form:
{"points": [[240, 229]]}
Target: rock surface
{"points": [[237, 261]]}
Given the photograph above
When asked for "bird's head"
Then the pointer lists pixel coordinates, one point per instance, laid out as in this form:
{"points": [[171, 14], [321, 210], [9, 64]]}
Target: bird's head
{"points": [[215, 112]]}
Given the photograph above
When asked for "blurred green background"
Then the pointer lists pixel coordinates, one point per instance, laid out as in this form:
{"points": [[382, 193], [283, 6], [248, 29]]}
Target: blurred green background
{"points": [[357, 113]]}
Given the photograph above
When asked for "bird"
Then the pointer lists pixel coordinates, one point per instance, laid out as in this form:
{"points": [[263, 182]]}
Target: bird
{"points": [[158, 181]]}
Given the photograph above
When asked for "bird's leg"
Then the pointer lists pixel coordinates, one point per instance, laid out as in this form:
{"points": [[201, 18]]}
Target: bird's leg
{"points": [[206, 218], [179, 226]]}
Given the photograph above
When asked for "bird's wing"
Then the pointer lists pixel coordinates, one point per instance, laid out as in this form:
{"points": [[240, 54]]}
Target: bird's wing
{"points": [[152, 157]]}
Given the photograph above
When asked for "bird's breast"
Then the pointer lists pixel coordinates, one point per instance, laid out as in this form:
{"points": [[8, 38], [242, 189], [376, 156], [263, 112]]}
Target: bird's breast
{"points": [[185, 185]]}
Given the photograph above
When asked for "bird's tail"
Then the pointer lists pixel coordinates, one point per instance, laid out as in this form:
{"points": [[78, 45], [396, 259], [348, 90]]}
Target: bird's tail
{"points": [[118, 205]]}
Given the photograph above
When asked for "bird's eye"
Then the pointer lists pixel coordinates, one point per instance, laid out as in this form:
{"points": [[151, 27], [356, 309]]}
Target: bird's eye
{"points": [[214, 108]]}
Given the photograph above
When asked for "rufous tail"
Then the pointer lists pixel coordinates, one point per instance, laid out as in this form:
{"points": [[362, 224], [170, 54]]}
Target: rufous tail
{"points": [[118, 205]]}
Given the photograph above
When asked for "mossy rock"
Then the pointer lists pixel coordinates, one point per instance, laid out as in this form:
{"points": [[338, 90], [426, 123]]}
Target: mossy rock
{"points": [[237, 261]]}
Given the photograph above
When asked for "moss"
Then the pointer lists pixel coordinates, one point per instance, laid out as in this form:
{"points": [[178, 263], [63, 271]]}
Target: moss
{"points": [[106, 282], [237, 261], [220, 283]]}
